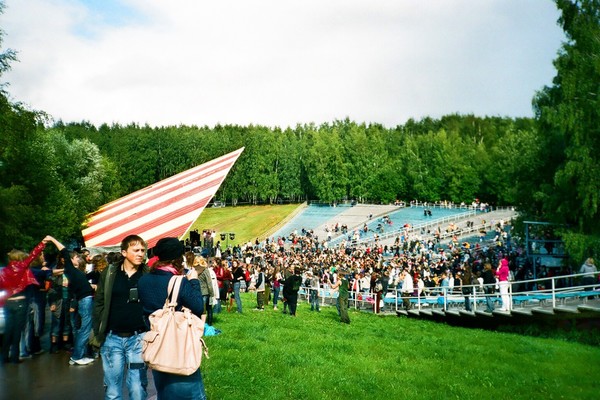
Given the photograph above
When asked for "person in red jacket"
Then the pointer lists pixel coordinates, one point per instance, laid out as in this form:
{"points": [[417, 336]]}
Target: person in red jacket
{"points": [[14, 280]]}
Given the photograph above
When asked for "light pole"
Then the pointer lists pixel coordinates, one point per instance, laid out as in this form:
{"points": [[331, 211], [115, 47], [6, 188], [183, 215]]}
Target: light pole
{"points": [[228, 236]]}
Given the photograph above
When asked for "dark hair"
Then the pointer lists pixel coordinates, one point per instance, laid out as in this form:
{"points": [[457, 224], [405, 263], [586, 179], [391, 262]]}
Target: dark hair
{"points": [[189, 258], [113, 257], [73, 253], [131, 240], [99, 262]]}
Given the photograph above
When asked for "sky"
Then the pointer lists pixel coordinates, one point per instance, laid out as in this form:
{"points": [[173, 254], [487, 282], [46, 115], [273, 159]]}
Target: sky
{"points": [[278, 63]]}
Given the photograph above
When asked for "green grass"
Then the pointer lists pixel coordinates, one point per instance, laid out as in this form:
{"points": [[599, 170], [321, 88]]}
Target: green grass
{"points": [[248, 222], [268, 355]]}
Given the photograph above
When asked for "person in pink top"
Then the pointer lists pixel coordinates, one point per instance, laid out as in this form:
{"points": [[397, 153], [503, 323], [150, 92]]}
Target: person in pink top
{"points": [[502, 273]]}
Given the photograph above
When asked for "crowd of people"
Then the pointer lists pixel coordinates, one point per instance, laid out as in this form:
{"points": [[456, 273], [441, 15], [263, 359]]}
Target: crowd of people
{"points": [[100, 303], [99, 307]]}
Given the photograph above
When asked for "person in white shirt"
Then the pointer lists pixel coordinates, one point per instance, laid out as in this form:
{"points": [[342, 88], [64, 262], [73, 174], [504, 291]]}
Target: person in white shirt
{"points": [[407, 289]]}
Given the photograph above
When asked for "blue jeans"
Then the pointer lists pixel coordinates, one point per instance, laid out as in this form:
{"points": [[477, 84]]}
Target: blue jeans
{"points": [[467, 303], [118, 353], [276, 295], [35, 323], [217, 307], [314, 300], [489, 302], [39, 313], [15, 315], [236, 294], [171, 386], [60, 324], [27, 332], [82, 336], [209, 309]]}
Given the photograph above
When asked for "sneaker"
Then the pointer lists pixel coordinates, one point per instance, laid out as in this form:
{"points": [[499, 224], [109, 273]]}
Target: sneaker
{"points": [[275, 308], [25, 356], [81, 361]]}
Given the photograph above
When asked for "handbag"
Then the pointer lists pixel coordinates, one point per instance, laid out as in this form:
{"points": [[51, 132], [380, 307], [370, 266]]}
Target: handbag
{"points": [[174, 342]]}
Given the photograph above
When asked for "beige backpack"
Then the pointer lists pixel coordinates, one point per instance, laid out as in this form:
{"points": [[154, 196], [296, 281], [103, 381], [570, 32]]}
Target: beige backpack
{"points": [[174, 342]]}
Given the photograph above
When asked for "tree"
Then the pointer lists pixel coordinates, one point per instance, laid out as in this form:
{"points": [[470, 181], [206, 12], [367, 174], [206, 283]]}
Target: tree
{"points": [[568, 116], [47, 183], [16, 125], [289, 171], [323, 162]]}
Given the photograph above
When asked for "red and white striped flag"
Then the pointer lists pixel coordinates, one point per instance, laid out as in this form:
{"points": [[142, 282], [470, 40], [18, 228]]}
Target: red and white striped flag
{"points": [[166, 208]]}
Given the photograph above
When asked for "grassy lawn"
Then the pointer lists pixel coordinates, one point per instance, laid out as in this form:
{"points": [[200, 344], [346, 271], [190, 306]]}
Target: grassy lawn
{"points": [[268, 355], [248, 222]]}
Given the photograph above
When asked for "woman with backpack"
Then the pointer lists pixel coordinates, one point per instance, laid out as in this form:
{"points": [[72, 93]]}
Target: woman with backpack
{"points": [[152, 289]]}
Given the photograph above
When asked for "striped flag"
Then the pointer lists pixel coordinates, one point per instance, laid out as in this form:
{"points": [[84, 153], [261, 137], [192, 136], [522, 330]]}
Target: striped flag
{"points": [[166, 208]]}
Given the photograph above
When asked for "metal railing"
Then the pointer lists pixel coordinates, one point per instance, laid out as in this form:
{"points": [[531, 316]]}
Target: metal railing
{"points": [[543, 291], [548, 292]]}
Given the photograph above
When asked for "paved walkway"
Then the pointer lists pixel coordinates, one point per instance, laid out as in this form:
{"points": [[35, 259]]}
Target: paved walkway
{"points": [[50, 377]]}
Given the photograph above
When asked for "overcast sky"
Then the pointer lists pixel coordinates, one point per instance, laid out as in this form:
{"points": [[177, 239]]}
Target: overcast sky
{"points": [[278, 62]]}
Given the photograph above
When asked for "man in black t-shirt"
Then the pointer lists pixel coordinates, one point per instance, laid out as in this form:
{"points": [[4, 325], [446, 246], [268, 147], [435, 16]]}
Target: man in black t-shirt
{"points": [[119, 322]]}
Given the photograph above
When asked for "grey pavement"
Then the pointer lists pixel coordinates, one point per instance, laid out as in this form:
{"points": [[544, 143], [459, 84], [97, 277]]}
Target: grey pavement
{"points": [[49, 376]]}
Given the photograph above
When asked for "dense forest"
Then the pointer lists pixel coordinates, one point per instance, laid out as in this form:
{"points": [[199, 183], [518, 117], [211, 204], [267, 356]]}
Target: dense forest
{"points": [[456, 158], [52, 173]]}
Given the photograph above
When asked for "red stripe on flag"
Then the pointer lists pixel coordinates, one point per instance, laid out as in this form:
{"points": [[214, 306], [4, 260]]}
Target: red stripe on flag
{"points": [[161, 226], [145, 227], [140, 216], [232, 157], [155, 195]]}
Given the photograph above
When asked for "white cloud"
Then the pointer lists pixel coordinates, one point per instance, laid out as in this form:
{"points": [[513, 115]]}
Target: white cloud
{"points": [[279, 62]]}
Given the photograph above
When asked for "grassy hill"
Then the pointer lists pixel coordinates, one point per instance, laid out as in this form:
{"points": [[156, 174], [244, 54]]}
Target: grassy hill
{"points": [[269, 355], [247, 222]]}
